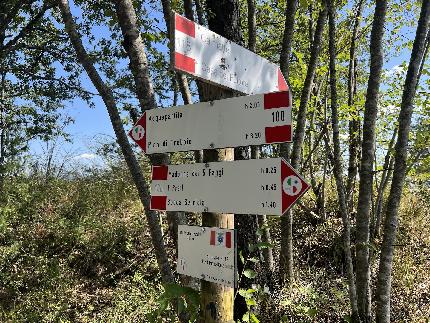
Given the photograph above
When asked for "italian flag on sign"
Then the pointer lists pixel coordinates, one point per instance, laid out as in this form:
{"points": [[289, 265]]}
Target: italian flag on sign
{"points": [[220, 238]]}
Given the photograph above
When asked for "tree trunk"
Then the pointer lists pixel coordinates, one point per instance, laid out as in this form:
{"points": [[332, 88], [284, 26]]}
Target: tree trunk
{"points": [[286, 261], [337, 165], [284, 62], [2, 131], [252, 33], [189, 14], [216, 302], [109, 100], [366, 163], [354, 122], [200, 13], [374, 228], [383, 290]]}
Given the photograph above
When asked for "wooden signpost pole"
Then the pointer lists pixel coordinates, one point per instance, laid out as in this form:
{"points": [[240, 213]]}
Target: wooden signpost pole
{"points": [[217, 301]]}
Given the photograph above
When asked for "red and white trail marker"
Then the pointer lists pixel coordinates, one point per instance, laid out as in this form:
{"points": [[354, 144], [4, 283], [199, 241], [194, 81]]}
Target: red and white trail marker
{"points": [[258, 186], [206, 55], [241, 121]]}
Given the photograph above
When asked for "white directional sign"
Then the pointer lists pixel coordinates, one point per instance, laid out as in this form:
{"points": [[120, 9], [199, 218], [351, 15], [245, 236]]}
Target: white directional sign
{"points": [[240, 121], [257, 186], [207, 253], [206, 55]]}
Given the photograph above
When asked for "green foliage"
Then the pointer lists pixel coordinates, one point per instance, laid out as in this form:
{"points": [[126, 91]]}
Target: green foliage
{"points": [[186, 299], [70, 246]]}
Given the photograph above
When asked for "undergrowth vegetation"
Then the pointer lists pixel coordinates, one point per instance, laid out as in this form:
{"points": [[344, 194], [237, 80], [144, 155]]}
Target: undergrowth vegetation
{"points": [[77, 249]]}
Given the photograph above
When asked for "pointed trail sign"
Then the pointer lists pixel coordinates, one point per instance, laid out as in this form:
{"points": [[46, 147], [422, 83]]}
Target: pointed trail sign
{"points": [[208, 56], [240, 121], [259, 186]]}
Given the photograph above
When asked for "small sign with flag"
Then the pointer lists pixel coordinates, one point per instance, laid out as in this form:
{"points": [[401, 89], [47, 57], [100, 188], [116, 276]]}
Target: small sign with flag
{"points": [[207, 253]]}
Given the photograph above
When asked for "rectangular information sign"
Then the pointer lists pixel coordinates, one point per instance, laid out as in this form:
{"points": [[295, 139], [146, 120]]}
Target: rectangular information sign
{"points": [[258, 186], [206, 55], [207, 253], [241, 121]]}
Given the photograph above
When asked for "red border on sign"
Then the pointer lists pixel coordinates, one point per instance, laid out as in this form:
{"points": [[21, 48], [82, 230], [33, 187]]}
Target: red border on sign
{"points": [[278, 134], [185, 63], [184, 25], [142, 142], [159, 173], [276, 100], [287, 200], [158, 203], [282, 84], [228, 239]]}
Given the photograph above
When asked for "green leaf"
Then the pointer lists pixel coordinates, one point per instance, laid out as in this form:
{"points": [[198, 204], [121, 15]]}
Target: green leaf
{"points": [[181, 305], [245, 317], [243, 293], [249, 273], [173, 290], [254, 319], [251, 302], [242, 260], [263, 245]]}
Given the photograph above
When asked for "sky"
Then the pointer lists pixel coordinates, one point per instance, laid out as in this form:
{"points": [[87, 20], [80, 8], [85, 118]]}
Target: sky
{"points": [[92, 125]]}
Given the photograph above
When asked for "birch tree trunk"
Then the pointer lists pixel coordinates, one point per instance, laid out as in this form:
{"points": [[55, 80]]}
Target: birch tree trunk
{"points": [[108, 98], [366, 163], [337, 163], [286, 261], [383, 288]]}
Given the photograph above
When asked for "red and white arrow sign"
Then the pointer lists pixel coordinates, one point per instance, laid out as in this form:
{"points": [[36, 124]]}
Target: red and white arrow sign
{"points": [[257, 186], [208, 56], [241, 121]]}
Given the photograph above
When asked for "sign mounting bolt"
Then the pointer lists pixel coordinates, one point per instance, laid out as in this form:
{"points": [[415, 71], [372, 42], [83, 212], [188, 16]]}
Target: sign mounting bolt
{"points": [[206, 165], [206, 209], [212, 145], [212, 103]]}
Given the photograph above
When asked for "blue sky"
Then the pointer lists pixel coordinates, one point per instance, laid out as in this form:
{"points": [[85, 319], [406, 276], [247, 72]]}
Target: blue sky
{"points": [[92, 125]]}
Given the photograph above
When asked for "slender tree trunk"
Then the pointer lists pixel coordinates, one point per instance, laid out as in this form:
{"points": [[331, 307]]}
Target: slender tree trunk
{"points": [[2, 131], [182, 80], [354, 122], [287, 38], [374, 231], [216, 300], [286, 225], [306, 91], [200, 12], [284, 62], [189, 14], [366, 163], [338, 167], [383, 288], [108, 98], [255, 150], [252, 33]]}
